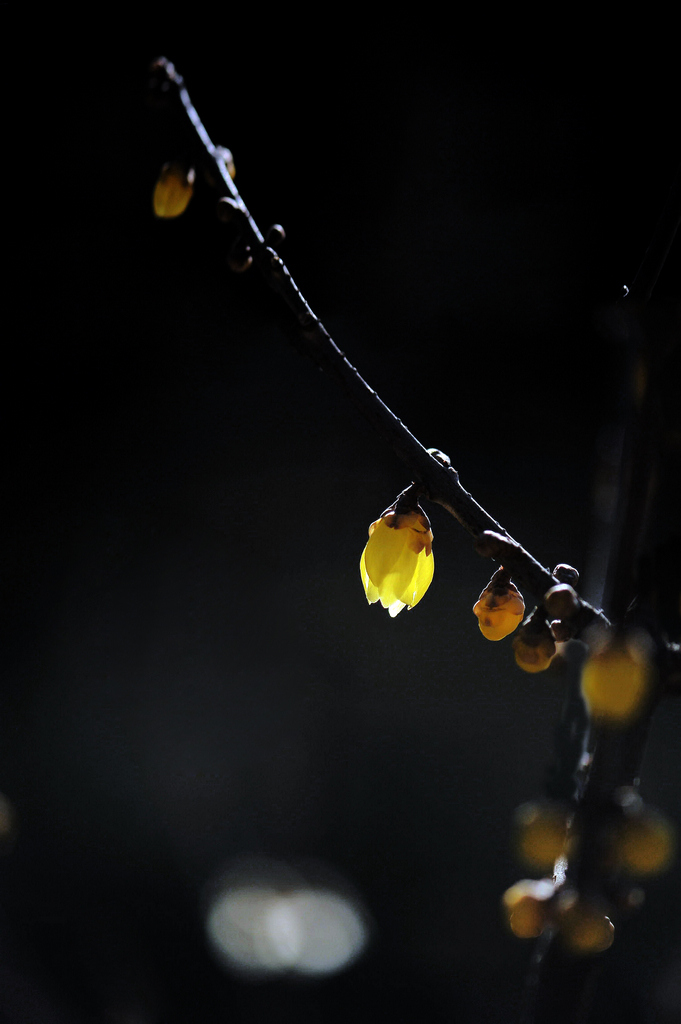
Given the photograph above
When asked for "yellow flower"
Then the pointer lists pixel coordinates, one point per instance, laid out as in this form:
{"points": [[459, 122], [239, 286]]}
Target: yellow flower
{"points": [[397, 564], [173, 190]]}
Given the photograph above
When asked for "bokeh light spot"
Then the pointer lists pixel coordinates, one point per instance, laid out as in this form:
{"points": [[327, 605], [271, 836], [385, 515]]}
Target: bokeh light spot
{"points": [[260, 928]]}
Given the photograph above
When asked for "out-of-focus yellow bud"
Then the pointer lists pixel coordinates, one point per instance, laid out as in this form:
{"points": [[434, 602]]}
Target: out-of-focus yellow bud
{"points": [[534, 647], [617, 678], [173, 190], [397, 563], [526, 907], [584, 927], [499, 609], [541, 832], [644, 843]]}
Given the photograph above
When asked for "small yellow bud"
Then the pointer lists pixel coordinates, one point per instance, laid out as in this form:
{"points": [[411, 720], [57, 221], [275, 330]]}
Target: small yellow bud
{"points": [[173, 190], [584, 926], [533, 645], [396, 566], [541, 833], [644, 843], [499, 609], [534, 653], [526, 907], [617, 678]]}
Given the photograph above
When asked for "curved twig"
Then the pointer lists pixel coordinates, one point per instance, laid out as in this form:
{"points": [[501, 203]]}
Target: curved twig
{"points": [[439, 482]]}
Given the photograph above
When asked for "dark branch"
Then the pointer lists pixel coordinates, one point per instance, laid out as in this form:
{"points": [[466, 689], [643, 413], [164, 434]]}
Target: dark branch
{"points": [[439, 482]]}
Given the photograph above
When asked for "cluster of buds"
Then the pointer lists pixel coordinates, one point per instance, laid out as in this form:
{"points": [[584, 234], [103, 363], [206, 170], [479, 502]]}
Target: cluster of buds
{"points": [[583, 926], [594, 856], [534, 646], [500, 609], [623, 842]]}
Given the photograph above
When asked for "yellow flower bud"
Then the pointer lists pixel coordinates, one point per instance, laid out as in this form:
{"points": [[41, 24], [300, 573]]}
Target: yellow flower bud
{"points": [[499, 609], [644, 843], [173, 190], [541, 833], [584, 926], [526, 907], [617, 679], [534, 653], [397, 563]]}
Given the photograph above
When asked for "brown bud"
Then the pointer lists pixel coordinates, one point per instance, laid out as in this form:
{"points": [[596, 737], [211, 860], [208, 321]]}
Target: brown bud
{"points": [[561, 602], [566, 574]]}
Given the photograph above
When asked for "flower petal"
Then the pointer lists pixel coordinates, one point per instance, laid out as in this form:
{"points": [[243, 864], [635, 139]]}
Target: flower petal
{"points": [[396, 583], [369, 589], [385, 553], [421, 580]]}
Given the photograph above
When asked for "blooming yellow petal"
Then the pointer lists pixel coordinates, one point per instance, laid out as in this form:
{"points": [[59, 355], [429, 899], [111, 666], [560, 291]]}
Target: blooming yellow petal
{"points": [[386, 548], [421, 579], [398, 583], [397, 563], [369, 589]]}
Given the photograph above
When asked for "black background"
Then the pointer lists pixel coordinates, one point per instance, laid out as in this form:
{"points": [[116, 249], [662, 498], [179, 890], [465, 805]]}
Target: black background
{"points": [[192, 671]]}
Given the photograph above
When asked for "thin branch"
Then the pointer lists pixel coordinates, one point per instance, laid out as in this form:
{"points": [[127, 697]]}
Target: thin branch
{"points": [[439, 482]]}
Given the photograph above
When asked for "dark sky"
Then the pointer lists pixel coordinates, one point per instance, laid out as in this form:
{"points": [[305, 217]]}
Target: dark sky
{"points": [[193, 675]]}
